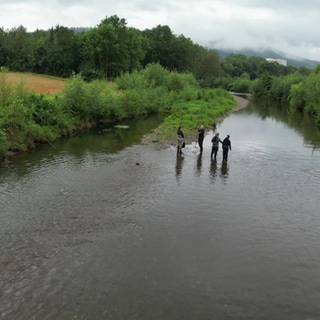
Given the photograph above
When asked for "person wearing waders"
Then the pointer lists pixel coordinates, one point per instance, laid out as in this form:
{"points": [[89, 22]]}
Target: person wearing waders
{"points": [[180, 140], [226, 146], [215, 145], [201, 132]]}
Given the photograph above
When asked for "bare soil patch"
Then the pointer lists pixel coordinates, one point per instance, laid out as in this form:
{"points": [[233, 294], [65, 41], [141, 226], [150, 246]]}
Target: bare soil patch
{"points": [[36, 83]]}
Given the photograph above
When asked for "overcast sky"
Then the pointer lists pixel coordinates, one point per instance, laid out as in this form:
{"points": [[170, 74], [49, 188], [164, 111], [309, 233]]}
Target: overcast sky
{"points": [[282, 25]]}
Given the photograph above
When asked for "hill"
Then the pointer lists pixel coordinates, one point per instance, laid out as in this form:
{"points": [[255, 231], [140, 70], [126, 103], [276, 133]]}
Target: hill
{"points": [[291, 61]]}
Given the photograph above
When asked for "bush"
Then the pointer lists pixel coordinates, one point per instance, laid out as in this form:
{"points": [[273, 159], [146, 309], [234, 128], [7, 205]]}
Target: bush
{"points": [[3, 143]]}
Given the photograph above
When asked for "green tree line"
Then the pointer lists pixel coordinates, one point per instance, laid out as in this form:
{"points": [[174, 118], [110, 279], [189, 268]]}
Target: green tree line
{"points": [[297, 92], [112, 48]]}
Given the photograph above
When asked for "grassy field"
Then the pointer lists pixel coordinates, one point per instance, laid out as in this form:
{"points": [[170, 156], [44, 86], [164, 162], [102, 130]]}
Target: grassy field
{"points": [[36, 83]]}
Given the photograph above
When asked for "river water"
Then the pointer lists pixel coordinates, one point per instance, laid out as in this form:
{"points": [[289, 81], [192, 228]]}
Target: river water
{"points": [[99, 226]]}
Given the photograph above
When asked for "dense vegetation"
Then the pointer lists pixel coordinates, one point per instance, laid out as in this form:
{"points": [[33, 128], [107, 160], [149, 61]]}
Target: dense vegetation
{"points": [[112, 48], [27, 119], [154, 71]]}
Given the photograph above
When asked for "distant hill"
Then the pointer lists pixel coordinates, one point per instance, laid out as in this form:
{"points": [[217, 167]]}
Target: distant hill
{"points": [[292, 61]]}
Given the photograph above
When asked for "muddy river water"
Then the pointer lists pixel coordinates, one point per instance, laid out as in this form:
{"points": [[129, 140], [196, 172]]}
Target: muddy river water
{"points": [[100, 226]]}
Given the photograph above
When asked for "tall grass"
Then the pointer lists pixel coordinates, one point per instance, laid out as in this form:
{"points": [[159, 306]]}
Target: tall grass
{"points": [[27, 118]]}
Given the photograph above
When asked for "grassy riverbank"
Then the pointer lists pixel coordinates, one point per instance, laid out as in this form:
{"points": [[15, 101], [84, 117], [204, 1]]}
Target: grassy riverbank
{"points": [[28, 118], [162, 140]]}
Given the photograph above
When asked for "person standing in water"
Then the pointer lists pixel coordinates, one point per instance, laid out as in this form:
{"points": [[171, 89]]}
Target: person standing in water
{"points": [[180, 140], [201, 132], [226, 146], [215, 145]]}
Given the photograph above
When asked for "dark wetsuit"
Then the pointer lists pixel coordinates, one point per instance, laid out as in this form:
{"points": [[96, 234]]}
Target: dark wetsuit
{"points": [[180, 138], [215, 146], [200, 138], [226, 146]]}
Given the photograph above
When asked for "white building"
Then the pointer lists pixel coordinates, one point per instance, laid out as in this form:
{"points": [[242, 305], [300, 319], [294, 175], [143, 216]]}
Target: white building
{"points": [[280, 61]]}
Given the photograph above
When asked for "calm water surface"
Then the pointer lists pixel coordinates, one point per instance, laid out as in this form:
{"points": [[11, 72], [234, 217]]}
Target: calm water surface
{"points": [[102, 227]]}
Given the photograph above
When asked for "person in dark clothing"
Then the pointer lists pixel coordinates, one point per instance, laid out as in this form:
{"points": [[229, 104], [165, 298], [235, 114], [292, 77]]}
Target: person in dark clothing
{"points": [[215, 145], [201, 132], [226, 146], [180, 140]]}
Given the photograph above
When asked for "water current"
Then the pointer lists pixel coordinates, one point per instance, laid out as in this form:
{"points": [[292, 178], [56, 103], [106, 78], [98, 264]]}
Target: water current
{"points": [[99, 226]]}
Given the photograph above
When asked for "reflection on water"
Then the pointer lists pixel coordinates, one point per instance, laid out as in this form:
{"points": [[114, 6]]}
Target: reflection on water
{"points": [[224, 169], [301, 123], [179, 163], [213, 169], [86, 233], [199, 163]]}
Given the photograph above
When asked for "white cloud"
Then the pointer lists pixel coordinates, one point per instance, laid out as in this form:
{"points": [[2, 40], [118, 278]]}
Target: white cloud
{"points": [[290, 27]]}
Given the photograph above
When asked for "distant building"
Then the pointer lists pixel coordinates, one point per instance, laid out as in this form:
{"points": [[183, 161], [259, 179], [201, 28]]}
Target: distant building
{"points": [[280, 61]]}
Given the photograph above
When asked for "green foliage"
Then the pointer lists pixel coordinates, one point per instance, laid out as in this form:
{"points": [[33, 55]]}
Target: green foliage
{"points": [[27, 119], [3, 142], [16, 120], [209, 105], [5, 90], [241, 84], [297, 97], [208, 66], [157, 99], [74, 100], [156, 75], [175, 82], [260, 88], [281, 87], [312, 95], [131, 81], [132, 102], [298, 90]]}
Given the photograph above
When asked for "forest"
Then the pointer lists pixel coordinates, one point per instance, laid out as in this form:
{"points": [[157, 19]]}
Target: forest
{"points": [[154, 69], [112, 48]]}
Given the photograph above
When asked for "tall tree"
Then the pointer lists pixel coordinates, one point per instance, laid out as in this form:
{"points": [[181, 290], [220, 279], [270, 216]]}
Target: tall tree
{"points": [[2, 49], [61, 51], [161, 47], [111, 48], [234, 65], [18, 49], [208, 66]]}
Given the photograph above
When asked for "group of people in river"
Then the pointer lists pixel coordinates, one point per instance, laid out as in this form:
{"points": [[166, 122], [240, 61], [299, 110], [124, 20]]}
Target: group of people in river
{"points": [[226, 143]]}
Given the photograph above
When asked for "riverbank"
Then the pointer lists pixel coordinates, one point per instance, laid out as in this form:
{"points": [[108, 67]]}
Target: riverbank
{"points": [[158, 142]]}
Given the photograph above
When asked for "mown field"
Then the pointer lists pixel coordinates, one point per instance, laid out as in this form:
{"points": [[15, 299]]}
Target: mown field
{"points": [[36, 83]]}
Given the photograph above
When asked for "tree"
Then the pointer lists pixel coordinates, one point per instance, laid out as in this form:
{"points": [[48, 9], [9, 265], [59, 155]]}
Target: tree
{"points": [[160, 49], [208, 67], [61, 50], [234, 65], [111, 49], [18, 49], [2, 49]]}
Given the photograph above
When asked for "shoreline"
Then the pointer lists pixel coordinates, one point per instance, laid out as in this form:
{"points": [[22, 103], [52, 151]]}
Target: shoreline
{"points": [[156, 141]]}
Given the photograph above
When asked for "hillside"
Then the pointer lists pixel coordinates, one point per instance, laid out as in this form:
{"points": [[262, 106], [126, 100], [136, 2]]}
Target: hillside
{"points": [[291, 61]]}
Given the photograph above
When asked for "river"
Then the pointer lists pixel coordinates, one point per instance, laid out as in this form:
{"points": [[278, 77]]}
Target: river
{"points": [[99, 226]]}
